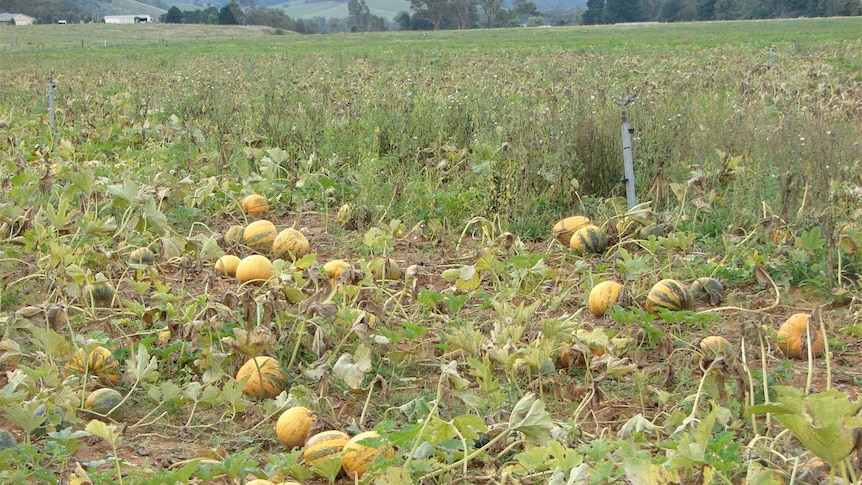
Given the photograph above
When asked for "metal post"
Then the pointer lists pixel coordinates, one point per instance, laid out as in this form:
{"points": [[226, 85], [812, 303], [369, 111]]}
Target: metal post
{"points": [[628, 162], [771, 57], [51, 87]]}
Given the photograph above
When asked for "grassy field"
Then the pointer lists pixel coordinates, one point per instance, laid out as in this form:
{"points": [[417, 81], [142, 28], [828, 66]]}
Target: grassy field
{"points": [[449, 156]]}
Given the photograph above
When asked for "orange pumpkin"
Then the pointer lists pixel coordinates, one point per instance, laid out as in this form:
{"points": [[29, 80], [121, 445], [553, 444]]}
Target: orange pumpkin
{"points": [[324, 446], [254, 205], [265, 377], [360, 451], [793, 337]]}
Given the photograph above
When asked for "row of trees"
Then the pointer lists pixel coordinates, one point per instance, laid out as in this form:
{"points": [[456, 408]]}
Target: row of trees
{"points": [[617, 11], [45, 11], [232, 14]]}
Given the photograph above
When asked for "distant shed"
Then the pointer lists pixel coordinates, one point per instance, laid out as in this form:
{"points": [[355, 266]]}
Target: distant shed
{"points": [[128, 19], [17, 18]]}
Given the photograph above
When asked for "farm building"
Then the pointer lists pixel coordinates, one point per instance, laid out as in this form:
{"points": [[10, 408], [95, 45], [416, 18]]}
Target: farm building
{"points": [[128, 19], [16, 18]]}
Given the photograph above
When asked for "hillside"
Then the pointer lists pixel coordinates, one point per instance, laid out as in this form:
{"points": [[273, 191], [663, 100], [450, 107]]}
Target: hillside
{"points": [[294, 8]]}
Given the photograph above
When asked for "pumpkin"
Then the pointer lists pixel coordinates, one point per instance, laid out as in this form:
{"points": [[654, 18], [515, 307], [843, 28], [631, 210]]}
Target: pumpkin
{"points": [[334, 268], [265, 377], [708, 290], [290, 244], [589, 239], [102, 401], [259, 481], [793, 338], [99, 362], [360, 451], [53, 420], [294, 424], [227, 264], [385, 269], [716, 346], [7, 440], [605, 295], [99, 294], [259, 235], [255, 268], [324, 446], [234, 235], [254, 205], [564, 229], [669, 294], [142, 256]]}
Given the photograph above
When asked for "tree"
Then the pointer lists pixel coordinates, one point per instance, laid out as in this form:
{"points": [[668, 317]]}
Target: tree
{"points": [[226, 16], [619, 11], [433, 10], [492, 11], [595, 12], [358, 15], [174, 16], [525, 9]]}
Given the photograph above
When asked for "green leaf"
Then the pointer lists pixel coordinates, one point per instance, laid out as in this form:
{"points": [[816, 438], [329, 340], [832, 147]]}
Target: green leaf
{"points": [[469, 426], [530, 418], [143, 366], [125, 193], [100, 429], [823, 422]]}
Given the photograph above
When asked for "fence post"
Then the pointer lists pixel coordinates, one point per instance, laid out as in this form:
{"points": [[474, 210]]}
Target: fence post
{"points": [[51, 87], [771, 57], [628, 163]]}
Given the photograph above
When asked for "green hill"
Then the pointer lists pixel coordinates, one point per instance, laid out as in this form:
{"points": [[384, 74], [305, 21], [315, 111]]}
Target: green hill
{"points": [[338, 8]]}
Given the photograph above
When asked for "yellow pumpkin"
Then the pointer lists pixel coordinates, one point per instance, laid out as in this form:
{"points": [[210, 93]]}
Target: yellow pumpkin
{"points": [[265, 377], [385, 269], [226, 265], [588, 240], [324, 446], [334, 268], [360, 451], [259, 481], [254, 205], [259, 235], [294, 424], [234, 235], [564, 229], [254, 268], [605, 295], [290, 244], [793, 337]]}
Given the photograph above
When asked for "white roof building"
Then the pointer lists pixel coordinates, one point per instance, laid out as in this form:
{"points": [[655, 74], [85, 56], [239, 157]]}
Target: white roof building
{"points": [[128, 19], [17, 18]]}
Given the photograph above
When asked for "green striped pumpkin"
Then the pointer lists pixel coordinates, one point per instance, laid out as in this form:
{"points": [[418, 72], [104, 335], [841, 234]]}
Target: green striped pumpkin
{"points": [[142, 256], [266, 378], [708, 290], [669, 294], [605, 295], [103, 400], [324, 446], [589, 239], [290, 244], [234, 235], [259, 235]]}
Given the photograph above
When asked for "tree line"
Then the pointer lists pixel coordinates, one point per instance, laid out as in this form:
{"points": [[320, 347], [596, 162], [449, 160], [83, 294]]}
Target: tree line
{"points": [[618, 11]]}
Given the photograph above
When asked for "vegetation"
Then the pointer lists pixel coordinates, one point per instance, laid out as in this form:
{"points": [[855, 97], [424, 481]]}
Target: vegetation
{"points": [[434, 317]]}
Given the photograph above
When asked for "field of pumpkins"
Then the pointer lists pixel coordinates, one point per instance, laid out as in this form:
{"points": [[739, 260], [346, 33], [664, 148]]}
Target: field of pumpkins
{"points": [[244, 355]]}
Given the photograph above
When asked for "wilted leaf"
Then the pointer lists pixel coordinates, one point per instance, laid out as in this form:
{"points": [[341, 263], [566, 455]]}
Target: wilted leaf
{"points": [[352, 368]]}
